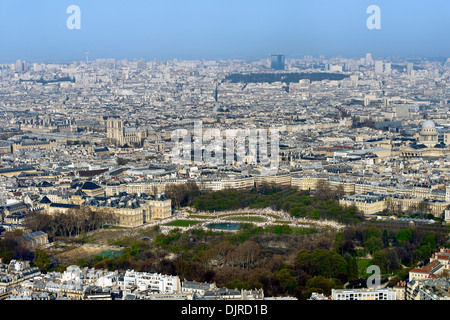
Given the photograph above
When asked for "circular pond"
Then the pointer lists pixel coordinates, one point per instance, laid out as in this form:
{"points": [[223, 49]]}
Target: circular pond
{"points": [[226, 226]]}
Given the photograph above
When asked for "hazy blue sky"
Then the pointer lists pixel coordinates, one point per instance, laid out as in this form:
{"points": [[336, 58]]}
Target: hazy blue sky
{"points": [[195, 29]]}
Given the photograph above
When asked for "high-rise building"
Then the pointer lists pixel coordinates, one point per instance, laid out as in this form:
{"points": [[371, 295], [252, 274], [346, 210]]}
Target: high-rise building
{"points": [[20, 66], [409, 68], [369, 59], [378, 67], [388, 68], [277, 62]]}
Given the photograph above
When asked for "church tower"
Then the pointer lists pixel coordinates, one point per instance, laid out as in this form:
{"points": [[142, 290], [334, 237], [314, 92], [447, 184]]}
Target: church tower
{"points": [[114, 130]]}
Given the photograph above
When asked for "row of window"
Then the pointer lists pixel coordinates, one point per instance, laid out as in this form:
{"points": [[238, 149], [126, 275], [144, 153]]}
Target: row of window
{"points": [[362, 296]]}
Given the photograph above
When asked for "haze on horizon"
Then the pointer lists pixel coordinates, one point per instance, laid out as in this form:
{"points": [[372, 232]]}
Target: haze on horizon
{"points": [[219, 29]]}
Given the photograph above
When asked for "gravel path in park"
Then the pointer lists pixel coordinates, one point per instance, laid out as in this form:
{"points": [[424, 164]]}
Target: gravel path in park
{"points": [[266, 214]]}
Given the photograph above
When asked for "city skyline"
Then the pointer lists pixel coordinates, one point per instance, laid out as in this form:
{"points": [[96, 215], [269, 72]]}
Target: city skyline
{"points": [[210, 150], [219, 30]]}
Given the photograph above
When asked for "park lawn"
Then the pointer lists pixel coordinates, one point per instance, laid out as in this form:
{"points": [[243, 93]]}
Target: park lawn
{"points": [[182, 223], [304, 230], [362, 267], [283, 221], [200, 216], [109, 254], [271, 215]]}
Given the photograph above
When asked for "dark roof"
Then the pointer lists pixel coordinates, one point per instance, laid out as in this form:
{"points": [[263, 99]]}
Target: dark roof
{"points": [[16, 206], [91, 173], [76, 183], [63, 205], [34, 235], [79, 192], [44, 184], [118, 171], [417, 146], [45, 199], [90, 186], [16, 169]]}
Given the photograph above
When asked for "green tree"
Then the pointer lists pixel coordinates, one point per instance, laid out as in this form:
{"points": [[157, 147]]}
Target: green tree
{"points": [[352, 268], [237, 284], [322, 283], [306, 263], [287, 280], [315, 214], [42, 260], [282, 229], [385, 238], [393, 260], [329, 263], [135, 249], [403, 236], [429, 240], [373, 244], [426, 251], [184, 269], [380, 259], [373, 231]]}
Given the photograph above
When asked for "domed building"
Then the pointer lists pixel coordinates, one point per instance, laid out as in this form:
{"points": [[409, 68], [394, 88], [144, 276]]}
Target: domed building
{"points": [[428, 135], [426, 144]]}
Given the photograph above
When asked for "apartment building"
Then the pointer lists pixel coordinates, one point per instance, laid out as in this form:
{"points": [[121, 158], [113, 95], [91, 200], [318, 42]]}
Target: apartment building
{"points": [[364, 294], [306, 182], [368, 204], [443, 256], [15, 273], [405, 203], [428, 289], [150, 281], [431, 270]]}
